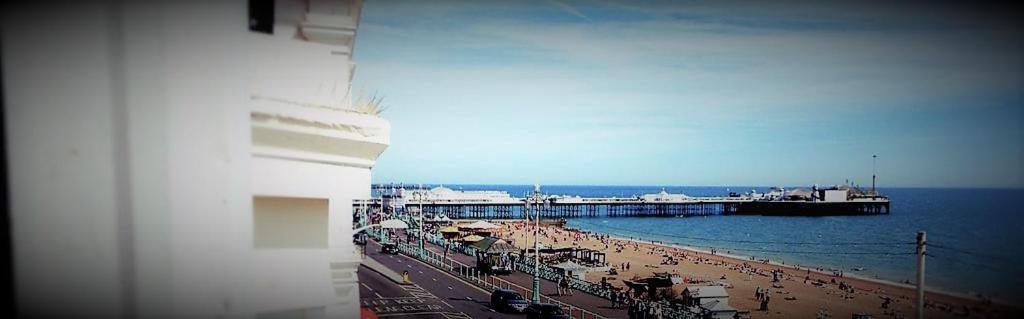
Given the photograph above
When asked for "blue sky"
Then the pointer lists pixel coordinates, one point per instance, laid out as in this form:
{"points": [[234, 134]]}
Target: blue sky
{"points": [[652, 93]]}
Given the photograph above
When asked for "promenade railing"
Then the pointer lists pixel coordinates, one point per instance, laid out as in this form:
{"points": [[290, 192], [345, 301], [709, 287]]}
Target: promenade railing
{"points": [[473, 276], [526, 265]]}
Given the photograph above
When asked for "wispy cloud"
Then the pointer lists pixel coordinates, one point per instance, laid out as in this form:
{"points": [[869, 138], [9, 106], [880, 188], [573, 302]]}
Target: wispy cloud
{"points": [[568, 8], [723, 81]]}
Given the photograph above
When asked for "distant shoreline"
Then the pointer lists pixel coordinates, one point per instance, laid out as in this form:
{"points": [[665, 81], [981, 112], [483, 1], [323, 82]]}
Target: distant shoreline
{"points": [[740, 187], [746, 259]]}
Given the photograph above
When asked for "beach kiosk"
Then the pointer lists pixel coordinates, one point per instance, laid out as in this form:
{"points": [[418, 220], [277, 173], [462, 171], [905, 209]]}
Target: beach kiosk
{"points": [[589, 256], [557, 254], [656, 287], [572, 269], [709, 301], [493, 255], [450, 232], [715, 310], [472, 239], [480, 227]]}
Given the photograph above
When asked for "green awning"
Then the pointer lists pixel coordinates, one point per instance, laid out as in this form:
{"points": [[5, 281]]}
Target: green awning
{"points": [[493, 245]]}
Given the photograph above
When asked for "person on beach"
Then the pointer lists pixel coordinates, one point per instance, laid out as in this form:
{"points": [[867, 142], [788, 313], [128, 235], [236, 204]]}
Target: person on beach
{"points": [[620, 299], [566, 288], [641, 309], [630, 308], [559, 285], [445, 251], [612, 296]]}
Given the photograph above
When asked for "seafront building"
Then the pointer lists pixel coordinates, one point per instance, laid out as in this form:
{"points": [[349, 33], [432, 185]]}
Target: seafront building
{"points": [[185, 158], [709, 301], [448, 195]]}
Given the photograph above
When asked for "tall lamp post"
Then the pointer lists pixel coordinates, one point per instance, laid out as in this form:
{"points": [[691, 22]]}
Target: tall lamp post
{"points": [[419, 199], [536, 244], [874, 173]]}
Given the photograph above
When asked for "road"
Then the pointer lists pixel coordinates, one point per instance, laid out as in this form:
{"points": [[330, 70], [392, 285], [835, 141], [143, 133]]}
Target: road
{"points": [[432, 294], [592, 303]]}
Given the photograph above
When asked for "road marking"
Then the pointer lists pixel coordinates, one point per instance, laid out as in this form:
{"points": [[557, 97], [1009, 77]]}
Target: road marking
{"points": [[412, 314], [367, 287], [417, 291], [456, 315], [463, 281]]}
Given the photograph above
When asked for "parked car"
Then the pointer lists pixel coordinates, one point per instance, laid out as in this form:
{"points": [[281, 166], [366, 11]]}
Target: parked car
{"points": [[504, 300], [545, 311], [491, 269], [389, 248]]}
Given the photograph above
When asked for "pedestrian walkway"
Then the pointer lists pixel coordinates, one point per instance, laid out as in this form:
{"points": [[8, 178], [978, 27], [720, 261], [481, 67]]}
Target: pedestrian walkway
{"points": [[596, 304], [376, 266]]}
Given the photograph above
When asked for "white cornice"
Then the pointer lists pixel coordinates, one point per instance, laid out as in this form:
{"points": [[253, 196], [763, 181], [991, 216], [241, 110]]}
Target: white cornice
{"points": [[319, 134]]}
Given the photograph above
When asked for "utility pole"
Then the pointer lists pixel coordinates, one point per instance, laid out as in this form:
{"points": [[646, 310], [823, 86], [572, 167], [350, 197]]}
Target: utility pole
{"points": [[874, 173], [536, 244], [921, 245]]}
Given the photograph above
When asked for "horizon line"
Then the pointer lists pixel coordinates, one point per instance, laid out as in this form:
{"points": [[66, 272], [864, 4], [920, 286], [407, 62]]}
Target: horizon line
{"points": [[670, 185]]}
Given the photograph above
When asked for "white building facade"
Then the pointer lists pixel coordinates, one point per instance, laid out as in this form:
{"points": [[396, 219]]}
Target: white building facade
{"points": [[167, 159]]}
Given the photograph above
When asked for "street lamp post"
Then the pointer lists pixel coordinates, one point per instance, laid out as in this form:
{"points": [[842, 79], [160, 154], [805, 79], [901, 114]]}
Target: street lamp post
{"points": [[419, 199], [536, 245], [874, 173]]}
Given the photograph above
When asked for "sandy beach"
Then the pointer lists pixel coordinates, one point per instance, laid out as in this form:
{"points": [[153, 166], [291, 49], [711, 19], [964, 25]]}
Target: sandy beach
{"points": [[800, 292]]}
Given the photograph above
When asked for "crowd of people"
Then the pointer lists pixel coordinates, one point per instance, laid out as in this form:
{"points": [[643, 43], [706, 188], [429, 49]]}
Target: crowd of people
{"points": [[637, 308]]}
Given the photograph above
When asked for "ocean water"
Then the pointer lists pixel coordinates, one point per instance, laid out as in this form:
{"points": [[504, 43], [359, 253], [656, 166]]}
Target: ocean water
{"points": [[974, 235]]}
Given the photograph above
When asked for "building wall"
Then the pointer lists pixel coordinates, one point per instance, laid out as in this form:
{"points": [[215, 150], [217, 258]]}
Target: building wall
{"points": [[63, 179], [136, 170], [289, 223], [836, 195]]}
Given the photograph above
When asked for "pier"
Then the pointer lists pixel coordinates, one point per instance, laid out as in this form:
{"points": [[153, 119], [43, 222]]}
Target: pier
{"points": [[555, 209], [499, 205]]}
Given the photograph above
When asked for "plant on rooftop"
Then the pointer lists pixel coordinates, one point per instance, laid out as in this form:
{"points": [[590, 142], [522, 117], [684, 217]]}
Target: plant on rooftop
{"points": [[369, 105]]}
